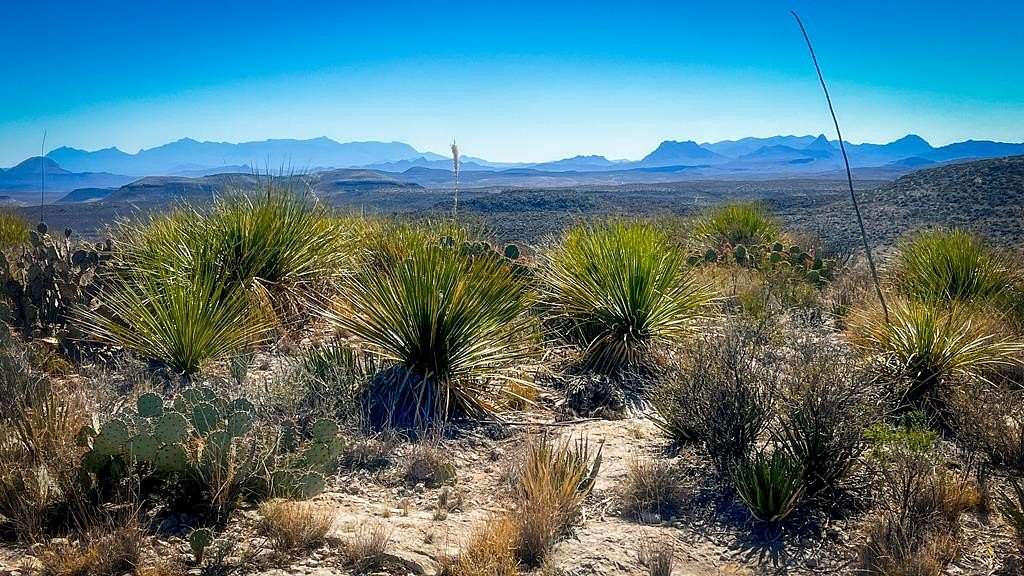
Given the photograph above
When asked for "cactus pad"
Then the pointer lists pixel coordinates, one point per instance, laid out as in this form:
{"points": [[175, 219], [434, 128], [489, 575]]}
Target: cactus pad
{"points": [[143, 447], [171, 427], [150, 405], [112, 439], [239, 423], [199, 540], [512, 252], [205, 417], [171, 459], [325, 429], [310, 484], [242, 405]]}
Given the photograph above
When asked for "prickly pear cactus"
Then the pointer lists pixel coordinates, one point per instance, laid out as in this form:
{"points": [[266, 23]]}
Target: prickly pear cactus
{"points": [[45, 281], [199, 540]]}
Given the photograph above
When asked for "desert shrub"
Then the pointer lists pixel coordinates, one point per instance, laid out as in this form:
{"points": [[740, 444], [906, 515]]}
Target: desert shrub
{"points": [[181, 322], [13, 229], [295, 526], [734, 224], [770, 484], [274, 243], [327, 381], [952, 266], [990, 418], [618, 290], [651, 487], [823, 421], [917, 528], [99, 553], [552, 483], [490, 551], [366, 550], [722, 394], [449, 325], [926, 345], [39, 421], [911, 432]]}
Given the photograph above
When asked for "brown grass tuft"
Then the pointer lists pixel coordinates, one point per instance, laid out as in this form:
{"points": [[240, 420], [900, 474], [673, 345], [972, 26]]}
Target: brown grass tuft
{"points": [[367, 549], [295, 526], [650, 487], [658, 557], [101, 553], [491, 551]]}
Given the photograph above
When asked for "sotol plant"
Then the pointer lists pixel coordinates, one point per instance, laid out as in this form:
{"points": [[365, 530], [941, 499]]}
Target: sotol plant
{"points": [[735, 224], [451, 325], [617, 290], [771, 485]]}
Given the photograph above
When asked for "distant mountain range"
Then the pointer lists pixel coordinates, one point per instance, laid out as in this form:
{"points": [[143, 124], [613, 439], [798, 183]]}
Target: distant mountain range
{"points": [[90, 173]]}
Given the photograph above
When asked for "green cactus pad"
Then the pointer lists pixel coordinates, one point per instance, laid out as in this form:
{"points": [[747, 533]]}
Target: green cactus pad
{"points": [[113, 438], [171, 427], [192, 395], [317, 455], [199, 540], [710, 256], [814, 276], [775, 258], [310, 485], [511, 251], [242, 405], [692, 260], [150, 405], [282, 482], [818, 264], [143, 447], [171, 459], [94, 462], [239, 423], [777, 247], [325, 429], [205, 417]]}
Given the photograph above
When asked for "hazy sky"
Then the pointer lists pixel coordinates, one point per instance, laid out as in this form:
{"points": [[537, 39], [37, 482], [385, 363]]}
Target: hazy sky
{"points": [[519, 80]]}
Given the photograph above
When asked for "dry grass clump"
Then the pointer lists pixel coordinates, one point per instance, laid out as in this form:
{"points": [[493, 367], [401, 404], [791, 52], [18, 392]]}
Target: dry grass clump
{"points": [[492, 550], [651, 487], [917, 528], [101, 553], [366, 550], [39, 422], [658, 557], [295, 526], [427, 462], [549, 487], [990, 418]]}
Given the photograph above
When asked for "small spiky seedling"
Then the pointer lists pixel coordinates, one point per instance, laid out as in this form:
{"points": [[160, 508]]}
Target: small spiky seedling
{"points": [[450, 324], [771, 485], [734, 224], [618, 290]]}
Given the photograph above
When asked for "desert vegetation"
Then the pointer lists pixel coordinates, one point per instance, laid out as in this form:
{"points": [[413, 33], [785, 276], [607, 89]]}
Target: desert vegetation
{"points": [[264, 384]]}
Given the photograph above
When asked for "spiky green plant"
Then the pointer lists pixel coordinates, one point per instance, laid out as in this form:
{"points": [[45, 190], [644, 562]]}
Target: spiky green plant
{"points": [[179, 321], [736, 223], [771, 485], [617, 290], [952, 266], [274, 242], [13, 229], [930, 343], [451, 325]]}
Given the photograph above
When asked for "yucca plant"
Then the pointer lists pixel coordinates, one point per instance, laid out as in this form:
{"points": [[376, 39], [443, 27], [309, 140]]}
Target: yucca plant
{"points": [[952, 266], [734, 224], [276, 243], [617, 290], [929, 343], [452, 326], [13, 229], [179, 321], [771, 485]]}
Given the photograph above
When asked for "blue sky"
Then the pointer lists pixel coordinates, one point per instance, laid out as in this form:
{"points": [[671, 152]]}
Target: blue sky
{"points": [[511, 80]]}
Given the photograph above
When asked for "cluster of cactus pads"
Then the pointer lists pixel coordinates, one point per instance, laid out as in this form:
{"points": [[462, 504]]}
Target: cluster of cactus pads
{"points": [[200, 434], [772, 257], [481, 248], [47, 279]]}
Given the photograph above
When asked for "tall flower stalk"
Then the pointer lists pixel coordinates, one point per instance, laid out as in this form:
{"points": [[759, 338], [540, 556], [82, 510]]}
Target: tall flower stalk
{"points": [[455, 171]]}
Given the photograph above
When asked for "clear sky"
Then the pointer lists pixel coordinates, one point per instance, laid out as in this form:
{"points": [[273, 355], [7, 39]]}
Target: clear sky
{"points": [[520, 80]]}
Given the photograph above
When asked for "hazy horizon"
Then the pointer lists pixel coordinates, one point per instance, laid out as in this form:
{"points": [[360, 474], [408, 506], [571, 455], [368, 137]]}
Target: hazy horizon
{"points": [[525, 83]]}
